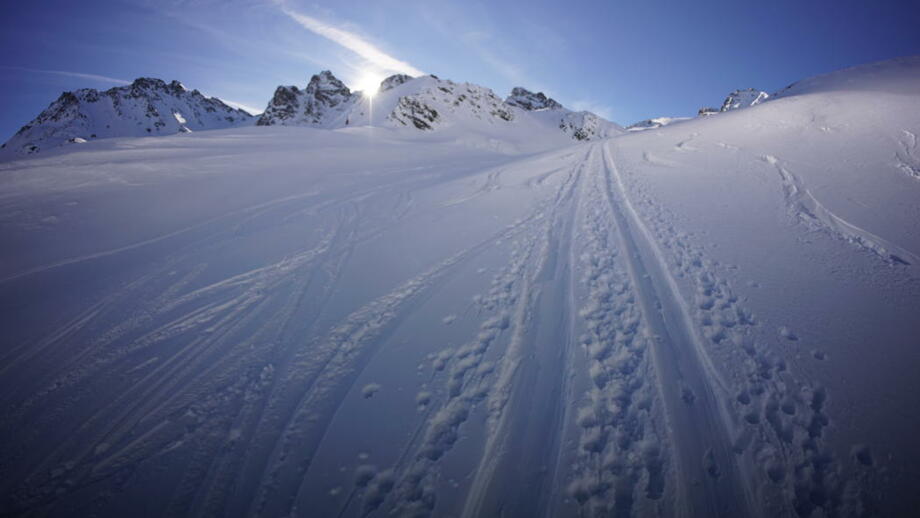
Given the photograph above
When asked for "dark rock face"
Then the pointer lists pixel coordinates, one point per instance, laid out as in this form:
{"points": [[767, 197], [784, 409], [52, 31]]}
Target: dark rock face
{"points": [[527, 100], [420, 115], [282, 107]]}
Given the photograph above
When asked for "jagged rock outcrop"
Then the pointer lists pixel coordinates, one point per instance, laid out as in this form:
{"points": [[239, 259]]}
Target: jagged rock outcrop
{"points": [[737, 100], [743, 99], [147, 106], [323, 103], [530, 101], [411, 110]]}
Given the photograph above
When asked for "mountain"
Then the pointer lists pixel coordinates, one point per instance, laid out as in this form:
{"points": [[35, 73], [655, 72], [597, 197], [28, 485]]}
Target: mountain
{"points": [[715, 318], [743, 99], [527, 100], [321, 104], [655, 123], [147, 106], [736, 100], [427, 103], [581, 125], [153, 107]]}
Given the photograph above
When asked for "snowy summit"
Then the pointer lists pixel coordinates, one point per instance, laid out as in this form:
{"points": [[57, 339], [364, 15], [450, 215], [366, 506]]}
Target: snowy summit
{"points": [[145, 107]]}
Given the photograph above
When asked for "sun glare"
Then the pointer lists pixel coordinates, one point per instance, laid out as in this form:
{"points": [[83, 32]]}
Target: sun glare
{"points": [[369, 83]]}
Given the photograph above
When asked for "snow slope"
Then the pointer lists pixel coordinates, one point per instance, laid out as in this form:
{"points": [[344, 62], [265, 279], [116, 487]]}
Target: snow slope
{"points": [[714, 318], [145, 107]]}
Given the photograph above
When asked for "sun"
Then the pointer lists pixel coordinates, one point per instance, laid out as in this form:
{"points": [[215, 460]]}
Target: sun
{"points": [[369, 83]]}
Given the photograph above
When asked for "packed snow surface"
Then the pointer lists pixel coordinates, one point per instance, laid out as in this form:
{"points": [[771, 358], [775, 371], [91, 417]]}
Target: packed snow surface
{"points": [[714, 318]]}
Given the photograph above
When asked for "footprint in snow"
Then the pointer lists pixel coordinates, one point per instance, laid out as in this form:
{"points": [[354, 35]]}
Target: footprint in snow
{"points": [[369, 390], [787, 334]]}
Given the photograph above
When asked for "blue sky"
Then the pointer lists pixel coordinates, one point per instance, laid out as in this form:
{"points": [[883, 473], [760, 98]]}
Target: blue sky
{"points": [[627, 60]]}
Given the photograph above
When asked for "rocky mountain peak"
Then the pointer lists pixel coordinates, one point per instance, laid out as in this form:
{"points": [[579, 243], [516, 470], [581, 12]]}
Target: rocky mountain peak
{"points": [[393, 81], [530, 101], [327, 88], [324, 99], [147, 106]]}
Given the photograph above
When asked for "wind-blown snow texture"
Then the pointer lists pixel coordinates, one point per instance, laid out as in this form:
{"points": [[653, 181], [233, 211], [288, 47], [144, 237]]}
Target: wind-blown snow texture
{"points": [[711, 318]]}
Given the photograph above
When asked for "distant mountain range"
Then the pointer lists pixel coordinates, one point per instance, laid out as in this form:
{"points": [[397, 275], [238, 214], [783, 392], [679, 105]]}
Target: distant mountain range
{"points": [[734, 101], [153, 107]]}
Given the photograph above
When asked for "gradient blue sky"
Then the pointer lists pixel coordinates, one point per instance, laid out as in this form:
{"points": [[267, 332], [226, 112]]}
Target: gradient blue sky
{"points": [[626, 60]]}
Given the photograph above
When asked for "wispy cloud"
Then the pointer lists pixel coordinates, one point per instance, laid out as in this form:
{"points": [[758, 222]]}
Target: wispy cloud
{"points": [[352, 42], [65, 73]]}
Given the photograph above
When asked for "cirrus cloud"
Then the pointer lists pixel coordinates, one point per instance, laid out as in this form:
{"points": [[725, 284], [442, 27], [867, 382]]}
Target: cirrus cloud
{"points": [[350, 41]]}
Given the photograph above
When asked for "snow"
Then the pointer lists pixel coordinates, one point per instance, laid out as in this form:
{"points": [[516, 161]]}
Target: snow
{"points": [[655, 123], [715, 317]]}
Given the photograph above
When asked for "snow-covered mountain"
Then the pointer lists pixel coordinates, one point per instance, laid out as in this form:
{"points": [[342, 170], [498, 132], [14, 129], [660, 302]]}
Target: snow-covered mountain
{"points": [[147, 106], [737, 100], [322, 104], [581, 125], [153, 107], [657, 122], [427, 103], [743, 99]]}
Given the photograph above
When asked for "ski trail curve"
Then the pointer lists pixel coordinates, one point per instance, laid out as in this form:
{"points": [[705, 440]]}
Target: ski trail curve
{"points": [[802, 204]]}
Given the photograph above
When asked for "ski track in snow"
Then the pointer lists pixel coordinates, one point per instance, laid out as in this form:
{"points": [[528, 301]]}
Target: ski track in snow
{"points": [[808, 210], [777, 419], [244, 373]]}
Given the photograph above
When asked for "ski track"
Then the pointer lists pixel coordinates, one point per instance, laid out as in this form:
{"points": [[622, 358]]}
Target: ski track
{"points": [[810, 212], [779, 419], [243, 375], [468, 378]]}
